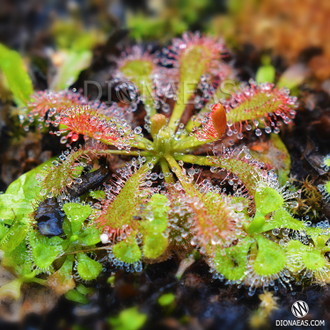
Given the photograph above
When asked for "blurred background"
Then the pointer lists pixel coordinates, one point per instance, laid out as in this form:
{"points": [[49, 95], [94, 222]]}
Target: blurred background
{"points": [[292, 30]]}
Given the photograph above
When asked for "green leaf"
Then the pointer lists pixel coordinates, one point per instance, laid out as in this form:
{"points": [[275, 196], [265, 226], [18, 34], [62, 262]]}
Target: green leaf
{"points": [[166, 299], [14, 236], [76, 296], [127, 251], [128, 319], [77, 214], [233, 264], [268, 200], [84, 290], [88, 268], [313, 259], [303, 256], [44, 249], [17, 202], [3, 231], [271, 258], [139, 72], [294, 250], [67, 227], [293, 76], [154, 245], [73, 63], [156, 215], [90, 236], [265, 73], [14, 207], [283, 219], [19, 82], [327, 186], [98, 194], [19, 255]]}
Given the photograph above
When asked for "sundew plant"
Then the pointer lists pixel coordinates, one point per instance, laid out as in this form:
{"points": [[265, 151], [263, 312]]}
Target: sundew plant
{"points": [[184, 182]]}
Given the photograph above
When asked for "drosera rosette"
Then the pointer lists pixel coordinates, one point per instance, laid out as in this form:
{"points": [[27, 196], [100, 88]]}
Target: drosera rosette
{"points": [[155, 205]]}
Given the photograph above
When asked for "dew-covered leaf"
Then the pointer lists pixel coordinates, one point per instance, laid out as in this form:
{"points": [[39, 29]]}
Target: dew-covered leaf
{"points": [[313, 259], [283, 219], [77, 214], [271, 258], [302, 256], [127, 251], [14, 236], [268, 200], [121, 211], [44, 249], [233, 264], [156, 215], [90, 236], [154, 245], [88, 268], [294, 250]]}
